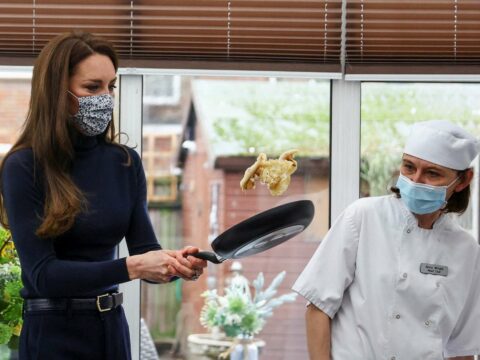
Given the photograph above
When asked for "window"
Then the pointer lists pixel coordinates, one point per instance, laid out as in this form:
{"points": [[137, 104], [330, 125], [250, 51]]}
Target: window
{"points": [[161, 89], [14, 101], [201, 155], [163, 97], [387, 110]]}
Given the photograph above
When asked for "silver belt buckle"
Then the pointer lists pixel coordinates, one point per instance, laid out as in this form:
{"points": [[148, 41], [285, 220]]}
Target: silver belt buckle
{"points": [[99, 307]]}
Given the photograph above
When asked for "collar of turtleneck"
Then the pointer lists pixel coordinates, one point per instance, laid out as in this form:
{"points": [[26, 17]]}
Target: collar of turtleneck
{"points": [[84, 143]]}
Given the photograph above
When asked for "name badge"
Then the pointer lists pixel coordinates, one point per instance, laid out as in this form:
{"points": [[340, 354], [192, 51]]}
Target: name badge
{"points": [[434, 269]]}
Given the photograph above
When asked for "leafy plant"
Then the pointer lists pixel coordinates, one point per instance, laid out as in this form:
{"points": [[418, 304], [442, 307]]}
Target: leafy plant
{"points": [[389, 109], [237, 312], [10, 284]]}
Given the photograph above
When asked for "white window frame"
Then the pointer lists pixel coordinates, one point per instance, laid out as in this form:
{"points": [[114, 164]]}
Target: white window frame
{"points": [[172, 99], [130, 122], [344, 142], [131, 88], [475, 203], [345, 145]]}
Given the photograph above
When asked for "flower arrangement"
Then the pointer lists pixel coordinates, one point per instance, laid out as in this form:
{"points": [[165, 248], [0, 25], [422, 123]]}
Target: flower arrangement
{"points": [[237, 313], [10, 284]]}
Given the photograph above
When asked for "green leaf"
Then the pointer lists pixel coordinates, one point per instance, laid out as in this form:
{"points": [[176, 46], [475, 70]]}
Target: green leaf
{"points": [[5, 334]]}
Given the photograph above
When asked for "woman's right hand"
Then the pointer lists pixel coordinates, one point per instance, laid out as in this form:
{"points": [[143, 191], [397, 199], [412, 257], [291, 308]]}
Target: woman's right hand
{"points": [[159, 266]]}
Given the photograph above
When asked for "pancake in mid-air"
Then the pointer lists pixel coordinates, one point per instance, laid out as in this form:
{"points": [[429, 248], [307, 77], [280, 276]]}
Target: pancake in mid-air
{"points": [[275, 173]]}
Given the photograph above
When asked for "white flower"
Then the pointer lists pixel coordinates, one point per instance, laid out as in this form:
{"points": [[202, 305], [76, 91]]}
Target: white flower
{"points": [[237, 313]]}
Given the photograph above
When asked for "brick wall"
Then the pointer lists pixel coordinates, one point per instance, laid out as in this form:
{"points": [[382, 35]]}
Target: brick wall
{"points": [[195, 205], [14, 99], [285, 332]]}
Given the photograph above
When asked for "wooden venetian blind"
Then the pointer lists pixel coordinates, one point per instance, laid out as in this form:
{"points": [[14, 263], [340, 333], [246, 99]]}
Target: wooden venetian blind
{"points": [[290, 35], [413, 36]]}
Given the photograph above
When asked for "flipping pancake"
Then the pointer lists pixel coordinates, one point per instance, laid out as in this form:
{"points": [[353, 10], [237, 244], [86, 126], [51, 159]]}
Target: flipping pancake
{"points": [[275, 173]]}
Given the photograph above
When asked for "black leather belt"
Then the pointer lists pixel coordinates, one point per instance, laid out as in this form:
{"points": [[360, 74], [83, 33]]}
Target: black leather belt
{"points": [[101, 303]]}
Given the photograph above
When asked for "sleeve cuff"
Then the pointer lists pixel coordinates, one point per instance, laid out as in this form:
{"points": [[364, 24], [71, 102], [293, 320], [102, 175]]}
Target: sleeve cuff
{"points": [[328, 310], [449, 353], [172, 279]]}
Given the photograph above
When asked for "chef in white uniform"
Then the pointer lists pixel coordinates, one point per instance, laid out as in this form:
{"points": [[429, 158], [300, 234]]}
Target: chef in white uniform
{"points": [[396, 277]]}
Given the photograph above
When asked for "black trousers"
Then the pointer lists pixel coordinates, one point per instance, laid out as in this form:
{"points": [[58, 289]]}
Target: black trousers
{"points": [[75, 335]]}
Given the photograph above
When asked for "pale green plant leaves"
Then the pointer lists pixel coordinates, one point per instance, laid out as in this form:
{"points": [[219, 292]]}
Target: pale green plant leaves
{"points": [[237, 313]]}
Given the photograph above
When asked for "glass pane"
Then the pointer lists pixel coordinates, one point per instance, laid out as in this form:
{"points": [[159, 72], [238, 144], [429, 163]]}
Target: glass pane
{"points": [[387, 111], [14, 100], [195, 153], [15, 86]]}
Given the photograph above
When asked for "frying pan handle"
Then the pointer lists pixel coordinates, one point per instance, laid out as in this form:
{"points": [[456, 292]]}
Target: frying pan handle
{"points": [[207, 255]]}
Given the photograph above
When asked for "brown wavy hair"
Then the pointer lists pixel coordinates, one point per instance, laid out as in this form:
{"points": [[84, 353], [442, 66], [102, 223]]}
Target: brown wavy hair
{"points": [[49, 133]]}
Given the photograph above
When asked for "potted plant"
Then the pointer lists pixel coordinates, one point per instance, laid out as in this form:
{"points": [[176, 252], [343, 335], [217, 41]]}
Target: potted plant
{"points": [[10, 301], [241, 315]]}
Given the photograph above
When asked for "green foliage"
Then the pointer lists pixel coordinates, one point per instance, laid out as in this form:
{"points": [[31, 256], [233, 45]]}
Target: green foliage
{"points": [[252, 117], [388, 110], [10, 284], [412, 102], [237, 313], [381, 154], [5, 333]]}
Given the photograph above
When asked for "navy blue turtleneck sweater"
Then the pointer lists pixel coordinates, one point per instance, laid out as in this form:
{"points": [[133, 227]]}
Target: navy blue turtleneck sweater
{"points": [[81, 262]]}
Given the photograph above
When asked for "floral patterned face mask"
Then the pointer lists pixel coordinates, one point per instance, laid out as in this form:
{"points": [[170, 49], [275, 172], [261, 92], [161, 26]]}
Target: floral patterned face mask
{"points": [[94, 113]]}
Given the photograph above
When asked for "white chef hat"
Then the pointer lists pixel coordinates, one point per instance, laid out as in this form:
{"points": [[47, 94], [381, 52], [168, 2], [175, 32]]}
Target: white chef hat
{"points": [[442, 143]]}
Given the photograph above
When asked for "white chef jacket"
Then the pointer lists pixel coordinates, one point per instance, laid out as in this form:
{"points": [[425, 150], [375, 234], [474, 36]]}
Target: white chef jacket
{"points": [[365, 275]]}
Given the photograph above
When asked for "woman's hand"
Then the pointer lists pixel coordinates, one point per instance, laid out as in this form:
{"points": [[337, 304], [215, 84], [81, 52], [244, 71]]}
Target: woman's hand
{"points": [[160, 266], [197, 264]]}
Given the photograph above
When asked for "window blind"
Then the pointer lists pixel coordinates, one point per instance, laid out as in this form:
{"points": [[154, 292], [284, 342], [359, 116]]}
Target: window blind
{"points": [[412, 36], [301, 34], [350, 36]]}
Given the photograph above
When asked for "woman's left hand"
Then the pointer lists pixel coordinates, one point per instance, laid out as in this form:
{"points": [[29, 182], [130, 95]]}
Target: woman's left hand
{"points": [[196, 264]]}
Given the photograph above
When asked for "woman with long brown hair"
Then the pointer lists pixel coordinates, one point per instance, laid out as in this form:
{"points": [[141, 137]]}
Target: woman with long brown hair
{"points": [[70, 193]]}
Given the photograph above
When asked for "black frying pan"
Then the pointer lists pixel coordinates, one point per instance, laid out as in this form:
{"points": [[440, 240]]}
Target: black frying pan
{"points": [[260, 232]]}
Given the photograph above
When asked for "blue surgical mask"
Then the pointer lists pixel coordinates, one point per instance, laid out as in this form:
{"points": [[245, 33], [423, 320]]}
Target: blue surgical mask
{"points": [[422, 198], [94, 113]]}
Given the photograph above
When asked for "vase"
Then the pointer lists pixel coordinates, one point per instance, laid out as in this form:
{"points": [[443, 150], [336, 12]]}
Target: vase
{"points": [[244, 350], [14, 355], [4, 352], [217, 333]]}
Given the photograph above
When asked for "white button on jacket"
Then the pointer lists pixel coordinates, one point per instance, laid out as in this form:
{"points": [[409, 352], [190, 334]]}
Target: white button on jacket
{"points": [[354, 278]]}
